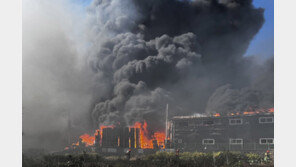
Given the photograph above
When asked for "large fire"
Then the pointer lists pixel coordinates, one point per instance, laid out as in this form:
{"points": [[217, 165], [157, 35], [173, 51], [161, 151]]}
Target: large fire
{"points": [[145, 139], [87, 139]]}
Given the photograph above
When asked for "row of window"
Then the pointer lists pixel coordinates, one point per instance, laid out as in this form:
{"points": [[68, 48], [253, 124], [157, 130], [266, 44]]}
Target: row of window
{"points": [[233, 121], [239, 121], [237, 141]]}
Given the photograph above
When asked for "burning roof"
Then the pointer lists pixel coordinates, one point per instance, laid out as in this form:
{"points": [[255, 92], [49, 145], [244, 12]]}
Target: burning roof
{"points": [[246, 113]]}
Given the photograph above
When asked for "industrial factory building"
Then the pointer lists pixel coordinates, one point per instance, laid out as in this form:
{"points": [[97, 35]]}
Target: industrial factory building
{"points": [[246, 132], [236, 132]]}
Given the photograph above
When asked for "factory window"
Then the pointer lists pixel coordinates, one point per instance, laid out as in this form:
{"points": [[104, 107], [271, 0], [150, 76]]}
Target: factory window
{"points": [[235, 141], [183, 124], [266, 141], [179, 140], [218, 122], [191, 123], [235, 121], [264, 120], [208, 141], [208, 122]]}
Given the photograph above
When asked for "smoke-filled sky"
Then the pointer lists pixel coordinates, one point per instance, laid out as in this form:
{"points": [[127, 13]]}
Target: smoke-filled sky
{"points": [[113, 61], [263, 43]]}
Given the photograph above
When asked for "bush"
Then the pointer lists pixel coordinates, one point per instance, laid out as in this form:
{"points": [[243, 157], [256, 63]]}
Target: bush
{"points": [[159, 159], [162, 159], [254, 158]]}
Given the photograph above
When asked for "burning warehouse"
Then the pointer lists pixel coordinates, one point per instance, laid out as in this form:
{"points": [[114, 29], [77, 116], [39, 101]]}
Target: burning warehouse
{"points": [[247, 131], [250, 131]]}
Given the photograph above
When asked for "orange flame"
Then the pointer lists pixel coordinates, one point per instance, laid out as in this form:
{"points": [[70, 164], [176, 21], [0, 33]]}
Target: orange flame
{"points": [[251, 111], [160, 138], [103, 127], [87, 139], [271, 110], [217, 115], [145, 140]]}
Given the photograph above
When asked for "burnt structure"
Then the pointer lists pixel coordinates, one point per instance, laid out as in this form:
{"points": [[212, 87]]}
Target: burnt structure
{"points": [[201, 133], [123, 137], [222, 133]]}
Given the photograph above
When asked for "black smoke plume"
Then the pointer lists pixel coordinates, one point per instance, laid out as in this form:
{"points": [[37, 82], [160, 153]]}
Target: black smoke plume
{"points": [[189, 54]]}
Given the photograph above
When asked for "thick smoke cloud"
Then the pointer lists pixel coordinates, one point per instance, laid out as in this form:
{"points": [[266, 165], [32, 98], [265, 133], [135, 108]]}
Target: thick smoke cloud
{"points": [[258, 95], [138, 68], [185, 53]]}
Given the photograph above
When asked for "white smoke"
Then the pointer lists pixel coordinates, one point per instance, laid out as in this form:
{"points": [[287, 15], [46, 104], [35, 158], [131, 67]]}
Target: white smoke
{"points": [[57, 83]]}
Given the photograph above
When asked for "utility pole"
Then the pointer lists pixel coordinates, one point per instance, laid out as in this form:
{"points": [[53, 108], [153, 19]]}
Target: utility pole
{"points": [[166, 123]]}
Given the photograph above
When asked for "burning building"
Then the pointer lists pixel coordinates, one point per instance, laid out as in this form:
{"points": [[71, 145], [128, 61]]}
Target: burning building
{"points": [[116, 139], [119, 137], [250, 131]]}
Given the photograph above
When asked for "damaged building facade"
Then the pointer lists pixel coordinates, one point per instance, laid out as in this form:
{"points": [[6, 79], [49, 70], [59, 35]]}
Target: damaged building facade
{"points": [[247, 132], [118, 137], [253, 132], [110, 140]]}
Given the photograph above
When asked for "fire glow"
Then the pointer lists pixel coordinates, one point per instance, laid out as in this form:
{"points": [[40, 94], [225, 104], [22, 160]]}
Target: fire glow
{"points": [[145, 139], [87, 139], [248, 112], [251, 112]]}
